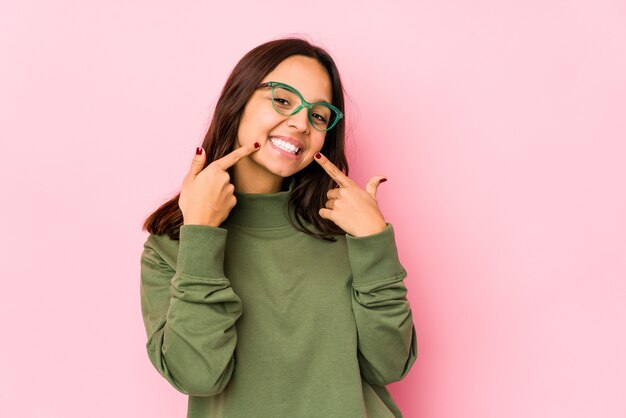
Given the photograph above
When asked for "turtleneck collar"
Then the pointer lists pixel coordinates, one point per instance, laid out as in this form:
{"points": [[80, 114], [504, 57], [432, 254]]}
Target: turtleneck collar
{"points": [[261, 211]]}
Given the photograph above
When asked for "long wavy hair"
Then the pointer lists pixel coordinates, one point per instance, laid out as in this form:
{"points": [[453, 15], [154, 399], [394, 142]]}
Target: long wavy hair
{"points": [[312, 182]]}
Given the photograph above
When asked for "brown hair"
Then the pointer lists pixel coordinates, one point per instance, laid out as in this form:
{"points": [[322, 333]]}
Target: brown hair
{"points": [[312, 182]]}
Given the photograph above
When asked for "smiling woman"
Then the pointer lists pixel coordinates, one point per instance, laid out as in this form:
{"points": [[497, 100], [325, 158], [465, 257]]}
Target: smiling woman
{"points": [[270, 117], [271, 285]]}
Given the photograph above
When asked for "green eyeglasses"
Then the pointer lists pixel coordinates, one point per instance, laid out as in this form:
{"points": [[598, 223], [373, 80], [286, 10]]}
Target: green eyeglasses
{"points": [[288, 101]]}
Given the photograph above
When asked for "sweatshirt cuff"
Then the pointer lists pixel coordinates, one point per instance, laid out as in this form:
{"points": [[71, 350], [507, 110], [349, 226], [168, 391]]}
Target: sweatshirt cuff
{"points": [[374, 258], [201, 251]]}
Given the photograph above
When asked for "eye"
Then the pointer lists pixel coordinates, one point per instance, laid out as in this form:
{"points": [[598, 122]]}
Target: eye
{"points": [[281, 102], [318, 117]]}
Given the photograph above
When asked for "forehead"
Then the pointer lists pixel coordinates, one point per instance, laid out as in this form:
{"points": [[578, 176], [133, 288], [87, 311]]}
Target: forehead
{"points": [[306, 75]]}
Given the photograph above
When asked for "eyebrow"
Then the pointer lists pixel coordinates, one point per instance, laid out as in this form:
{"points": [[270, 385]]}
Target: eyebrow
{"points": [[313, 101], [310, 101], [318, 100], [323, 101]]}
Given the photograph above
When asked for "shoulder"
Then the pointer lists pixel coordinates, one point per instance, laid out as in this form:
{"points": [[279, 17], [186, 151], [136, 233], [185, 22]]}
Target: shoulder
{"points": [[162, 246]]}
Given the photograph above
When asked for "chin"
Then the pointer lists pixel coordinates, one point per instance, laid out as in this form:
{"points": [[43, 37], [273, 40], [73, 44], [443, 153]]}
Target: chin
{"points": [[281, 167], [282, 172]]}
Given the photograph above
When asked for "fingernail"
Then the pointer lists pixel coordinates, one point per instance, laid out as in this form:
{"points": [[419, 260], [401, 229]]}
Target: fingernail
{"points": [[257, 145], [318, 155], [198, 150], [383, 180]]}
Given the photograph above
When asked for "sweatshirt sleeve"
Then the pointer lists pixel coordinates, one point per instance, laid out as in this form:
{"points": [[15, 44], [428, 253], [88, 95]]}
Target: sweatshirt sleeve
{"points": [[190, 311], [387, 346]]}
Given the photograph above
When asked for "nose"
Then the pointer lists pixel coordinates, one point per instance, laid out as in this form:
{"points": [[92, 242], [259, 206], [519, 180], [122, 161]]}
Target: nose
{"points": [[300, 120]]}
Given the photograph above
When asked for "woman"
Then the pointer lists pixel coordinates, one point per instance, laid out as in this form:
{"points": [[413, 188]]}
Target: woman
{"points": [[271, 286]]}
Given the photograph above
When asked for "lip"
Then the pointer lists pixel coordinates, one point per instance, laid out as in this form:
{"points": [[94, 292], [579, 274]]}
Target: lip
{"points": [[290, 140], [293, 141]]}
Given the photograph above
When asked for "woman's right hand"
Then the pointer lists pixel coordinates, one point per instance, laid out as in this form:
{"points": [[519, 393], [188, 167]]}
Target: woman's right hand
{"points": [[207, 195]]}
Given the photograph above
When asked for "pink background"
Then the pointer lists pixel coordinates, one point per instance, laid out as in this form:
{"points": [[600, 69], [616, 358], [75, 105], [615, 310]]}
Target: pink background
{"points": [[500, 125]]}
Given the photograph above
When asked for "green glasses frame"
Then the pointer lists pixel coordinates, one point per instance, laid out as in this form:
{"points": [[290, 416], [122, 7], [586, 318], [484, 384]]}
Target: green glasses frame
{"points": [[303, 103]]}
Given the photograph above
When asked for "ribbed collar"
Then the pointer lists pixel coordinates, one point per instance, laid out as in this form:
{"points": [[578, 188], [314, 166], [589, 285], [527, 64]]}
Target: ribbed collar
{"points": [[261, 211]]}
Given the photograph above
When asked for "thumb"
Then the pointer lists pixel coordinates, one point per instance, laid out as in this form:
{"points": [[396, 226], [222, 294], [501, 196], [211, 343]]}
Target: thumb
{"points": [[372, 185], [198, 161]]}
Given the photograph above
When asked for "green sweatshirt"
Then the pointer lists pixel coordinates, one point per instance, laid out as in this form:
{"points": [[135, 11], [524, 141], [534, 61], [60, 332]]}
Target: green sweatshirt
{"points": [[257, 319]]}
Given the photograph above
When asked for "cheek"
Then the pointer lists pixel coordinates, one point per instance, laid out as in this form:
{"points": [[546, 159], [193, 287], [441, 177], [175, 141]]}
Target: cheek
{"points": [[317, 143], [257, 120]]}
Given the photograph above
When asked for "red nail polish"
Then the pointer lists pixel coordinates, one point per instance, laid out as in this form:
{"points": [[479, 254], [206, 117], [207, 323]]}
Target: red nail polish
{"points": [[383, 180], [198, 150], [257, 145], [318, 155]]}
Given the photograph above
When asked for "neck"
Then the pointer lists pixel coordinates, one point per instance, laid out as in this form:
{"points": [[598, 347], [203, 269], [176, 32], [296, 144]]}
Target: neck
{"points": [[263, 211]]}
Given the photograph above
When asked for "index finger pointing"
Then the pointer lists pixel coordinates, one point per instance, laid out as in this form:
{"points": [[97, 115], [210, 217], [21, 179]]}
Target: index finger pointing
{"points": [[231, 159], [336, 174]]}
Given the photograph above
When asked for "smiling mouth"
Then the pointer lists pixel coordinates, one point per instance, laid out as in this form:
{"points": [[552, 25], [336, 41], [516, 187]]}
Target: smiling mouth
{"points": [[285, 146]]}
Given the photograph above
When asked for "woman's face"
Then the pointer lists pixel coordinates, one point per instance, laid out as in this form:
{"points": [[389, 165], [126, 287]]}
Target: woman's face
{"points": [[261, 123]]}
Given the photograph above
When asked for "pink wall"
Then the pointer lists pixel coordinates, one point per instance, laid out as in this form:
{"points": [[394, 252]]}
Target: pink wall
{"points": [[500, 126]]}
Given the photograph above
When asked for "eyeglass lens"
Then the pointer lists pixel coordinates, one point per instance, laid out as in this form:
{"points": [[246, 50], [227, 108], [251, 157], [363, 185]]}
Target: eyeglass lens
{"points": [[286, 102]]}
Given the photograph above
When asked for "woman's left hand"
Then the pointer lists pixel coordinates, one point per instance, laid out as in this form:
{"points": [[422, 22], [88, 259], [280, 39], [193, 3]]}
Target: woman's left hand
{"points": [[351, 208]]}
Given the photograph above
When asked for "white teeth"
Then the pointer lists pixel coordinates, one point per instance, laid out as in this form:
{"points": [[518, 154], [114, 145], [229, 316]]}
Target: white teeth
{"points": [[284, 145]]}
